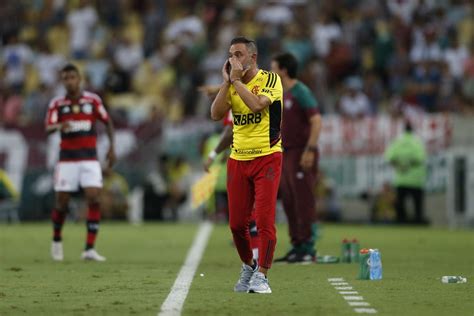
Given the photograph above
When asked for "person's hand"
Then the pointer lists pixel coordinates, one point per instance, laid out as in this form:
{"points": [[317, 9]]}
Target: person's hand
{"points": [[210, 159], [237, 69], [65, 126], [225, 73], [307, 160], [111, 157], [208, 163]]}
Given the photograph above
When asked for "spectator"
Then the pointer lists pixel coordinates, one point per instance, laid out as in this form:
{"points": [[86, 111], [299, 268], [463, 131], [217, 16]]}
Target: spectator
{"points": [[16, 57], [128, 55], [325, 31], [455, 56], [354, 103], [11, 105], [48, 65], [81, 22]]}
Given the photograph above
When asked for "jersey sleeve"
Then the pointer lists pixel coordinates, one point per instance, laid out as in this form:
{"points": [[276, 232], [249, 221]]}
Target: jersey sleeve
{"points": [[101, 112], [306, 100], [272, 88], [52, 114]]}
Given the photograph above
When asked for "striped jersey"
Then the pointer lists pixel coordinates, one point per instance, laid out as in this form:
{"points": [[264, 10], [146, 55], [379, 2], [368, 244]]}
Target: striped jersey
{"points": [[257, 134], [79, 142]]}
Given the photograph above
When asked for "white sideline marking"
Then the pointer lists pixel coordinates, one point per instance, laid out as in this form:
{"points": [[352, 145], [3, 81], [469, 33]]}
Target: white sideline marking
{"points": [[173, 304], [348, 292], [335, 279], [356, 303], [354, 299], [365, 310]]}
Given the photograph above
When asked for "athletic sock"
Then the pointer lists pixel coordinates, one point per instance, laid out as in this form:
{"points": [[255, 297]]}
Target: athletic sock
{"points": [[58, 221], [93, 219], [254, 239]]}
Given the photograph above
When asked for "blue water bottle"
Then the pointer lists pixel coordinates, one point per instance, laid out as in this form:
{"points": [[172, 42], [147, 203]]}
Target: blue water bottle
{"points": [[375, 264]]}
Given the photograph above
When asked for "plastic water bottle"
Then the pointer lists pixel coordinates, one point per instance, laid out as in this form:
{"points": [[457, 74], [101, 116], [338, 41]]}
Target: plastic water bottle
{"points": [[375, 264], [453, 279], [345, 251], [355, 247], [364, 270]]}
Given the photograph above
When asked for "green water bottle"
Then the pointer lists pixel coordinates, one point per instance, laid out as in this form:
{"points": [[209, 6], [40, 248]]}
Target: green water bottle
{"points": [[355, 247], [345, 251], [364, 269]]}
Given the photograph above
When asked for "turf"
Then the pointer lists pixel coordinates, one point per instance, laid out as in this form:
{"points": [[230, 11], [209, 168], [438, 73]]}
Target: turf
{"points": [[143, 263]]}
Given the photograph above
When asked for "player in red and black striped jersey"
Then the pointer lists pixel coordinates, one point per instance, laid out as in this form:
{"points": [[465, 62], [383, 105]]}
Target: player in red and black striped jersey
{"points": [[75, 115]]}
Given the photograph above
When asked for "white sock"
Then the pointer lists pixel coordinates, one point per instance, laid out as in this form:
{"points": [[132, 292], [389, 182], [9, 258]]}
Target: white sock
{"points": [[255, 254]]}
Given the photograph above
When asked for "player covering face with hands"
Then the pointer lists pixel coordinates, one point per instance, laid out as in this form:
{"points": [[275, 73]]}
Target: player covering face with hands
{"points": [[255, 97]]}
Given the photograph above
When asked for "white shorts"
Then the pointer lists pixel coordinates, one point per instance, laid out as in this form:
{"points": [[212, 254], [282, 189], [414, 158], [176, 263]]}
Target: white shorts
{"points": [[68, 176]]}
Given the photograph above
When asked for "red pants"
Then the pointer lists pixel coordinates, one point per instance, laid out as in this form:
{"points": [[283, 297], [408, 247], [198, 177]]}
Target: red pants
{"points": [[254, 184], [297, 193]]}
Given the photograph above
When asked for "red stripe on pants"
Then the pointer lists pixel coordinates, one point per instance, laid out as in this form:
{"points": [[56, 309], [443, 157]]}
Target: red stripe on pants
{"points": [[251, 185]]}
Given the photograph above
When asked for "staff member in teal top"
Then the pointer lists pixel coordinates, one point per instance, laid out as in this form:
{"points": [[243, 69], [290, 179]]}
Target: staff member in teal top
{"points": [[407, 156]]}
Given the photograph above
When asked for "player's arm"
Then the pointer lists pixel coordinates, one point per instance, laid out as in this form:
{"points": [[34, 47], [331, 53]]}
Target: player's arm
{"points": [[315, 123], [101, 114], [309, 103], [255, 103], [220, 106], [224, 142], [63, 126], [52, 123], [111, 158]]}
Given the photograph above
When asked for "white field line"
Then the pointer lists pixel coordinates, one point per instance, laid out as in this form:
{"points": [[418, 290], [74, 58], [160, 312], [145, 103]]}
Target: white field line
{"points": [[351, 296], [173, 305], [348, 292]]}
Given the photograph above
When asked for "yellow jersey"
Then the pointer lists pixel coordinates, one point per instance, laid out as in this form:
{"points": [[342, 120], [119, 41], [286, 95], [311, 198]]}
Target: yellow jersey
{"points": [[257, 134]]}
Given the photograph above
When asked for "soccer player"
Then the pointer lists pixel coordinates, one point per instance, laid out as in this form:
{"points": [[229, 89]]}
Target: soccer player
{"points": [[74, 115], [224, 142], [255, 97], [300, 133]]}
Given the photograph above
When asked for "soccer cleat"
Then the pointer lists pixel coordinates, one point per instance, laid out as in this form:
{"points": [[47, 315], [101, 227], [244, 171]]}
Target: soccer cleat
{"points": [[246, 273], [259, 284], [57, 251], [91, 254], [284, 259], [302, 258]]}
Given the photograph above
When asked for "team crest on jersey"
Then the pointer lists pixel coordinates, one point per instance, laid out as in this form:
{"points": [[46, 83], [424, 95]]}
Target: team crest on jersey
{"points": [[87, 108], [288, 103], [255, 90], [76, 108]]}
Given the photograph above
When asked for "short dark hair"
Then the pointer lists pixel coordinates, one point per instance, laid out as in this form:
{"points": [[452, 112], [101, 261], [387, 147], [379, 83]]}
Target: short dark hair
{"points": [[287, 61], [250, 44], [70, 67]]}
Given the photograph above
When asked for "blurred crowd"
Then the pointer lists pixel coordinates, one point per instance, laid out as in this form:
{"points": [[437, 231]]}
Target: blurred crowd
{"points": [[146, 58]]}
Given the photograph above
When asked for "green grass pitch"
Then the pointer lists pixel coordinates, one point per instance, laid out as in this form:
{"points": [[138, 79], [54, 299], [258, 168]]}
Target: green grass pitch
{"points": [[143, 262]]}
